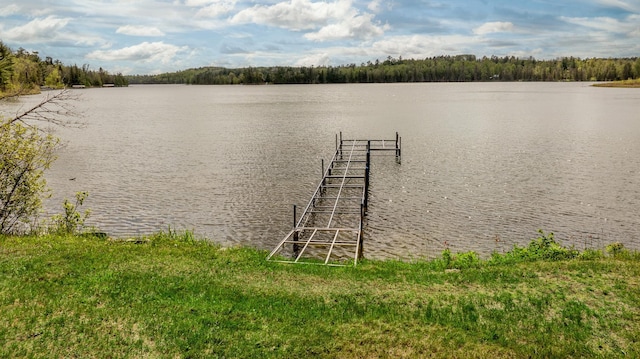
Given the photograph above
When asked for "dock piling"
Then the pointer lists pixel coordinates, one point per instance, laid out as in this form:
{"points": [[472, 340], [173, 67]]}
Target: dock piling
{"points": [[295, 233]]}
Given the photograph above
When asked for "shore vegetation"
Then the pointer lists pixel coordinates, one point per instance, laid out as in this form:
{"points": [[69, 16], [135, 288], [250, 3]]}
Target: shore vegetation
{"points": [[631, 83], [458, 68], [25, 73]]}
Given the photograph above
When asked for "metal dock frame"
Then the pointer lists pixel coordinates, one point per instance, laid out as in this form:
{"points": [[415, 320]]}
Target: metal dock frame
{"points": [[329, 231]]}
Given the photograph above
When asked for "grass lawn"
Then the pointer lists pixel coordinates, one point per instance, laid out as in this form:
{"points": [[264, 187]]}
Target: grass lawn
{"points": [[171, 296]]}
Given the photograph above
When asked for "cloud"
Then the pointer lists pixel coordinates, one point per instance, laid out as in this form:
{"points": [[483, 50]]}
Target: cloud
{"points": [[9, 10], [420, 46], [624, 5], [136, 30], [37, 30], [232, 50], [321, 59], [493, 27], [295, 15], [145, 52], [217, 9], [374, 5], [358, 27], [333, 20], [607, 24]]}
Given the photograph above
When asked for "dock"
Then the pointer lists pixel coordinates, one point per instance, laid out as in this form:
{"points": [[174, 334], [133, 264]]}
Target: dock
{"points": [[330, 228]]}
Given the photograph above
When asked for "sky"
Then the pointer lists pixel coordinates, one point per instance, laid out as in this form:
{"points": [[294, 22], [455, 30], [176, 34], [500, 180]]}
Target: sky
{"points": [[155, 36]]}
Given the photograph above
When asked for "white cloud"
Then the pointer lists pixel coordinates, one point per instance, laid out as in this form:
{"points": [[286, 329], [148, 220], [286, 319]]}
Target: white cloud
{"points": [[420, 46], [321, 59], [296, 14], [36, 30], [624, 5], [198, 3], [136, 30], [598, 23], [216, 8], [493, 27], [335, 20], [145, 52], [374, 6], [9, 10], [359, 27]]}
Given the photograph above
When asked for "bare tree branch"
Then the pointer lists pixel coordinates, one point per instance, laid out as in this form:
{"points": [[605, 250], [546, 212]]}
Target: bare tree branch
{"points": [[55, 109]]}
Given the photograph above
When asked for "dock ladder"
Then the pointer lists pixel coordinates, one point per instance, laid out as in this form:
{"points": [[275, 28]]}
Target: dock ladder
{"points": [[330, 229]]}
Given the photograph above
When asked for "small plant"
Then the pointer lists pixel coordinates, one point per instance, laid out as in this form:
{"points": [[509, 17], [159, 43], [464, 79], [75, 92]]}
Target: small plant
{"points": [[447, 258], [467, 260], [615, 249], [546, 247], [72, 221], [173, 235]]}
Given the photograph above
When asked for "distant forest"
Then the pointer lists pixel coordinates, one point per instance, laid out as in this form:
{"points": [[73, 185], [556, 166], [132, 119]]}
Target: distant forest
{"points": [[461, 68], [25, 72]]}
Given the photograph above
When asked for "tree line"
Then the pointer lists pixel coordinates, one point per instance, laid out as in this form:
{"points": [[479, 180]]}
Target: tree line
{"points": [[460, 68], [23, 72]]}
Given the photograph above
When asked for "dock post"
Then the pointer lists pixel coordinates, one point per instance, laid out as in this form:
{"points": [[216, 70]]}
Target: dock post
{"points": [[340, 144], [398, 148], [323, 188], [366, 175], [361, 239], [295, 234]]}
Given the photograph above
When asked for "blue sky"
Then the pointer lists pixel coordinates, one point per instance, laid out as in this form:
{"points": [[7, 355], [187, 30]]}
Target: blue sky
{"points": [[152, 36]]}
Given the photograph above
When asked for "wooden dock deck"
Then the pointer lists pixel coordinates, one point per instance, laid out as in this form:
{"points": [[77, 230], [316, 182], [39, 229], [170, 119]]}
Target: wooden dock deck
{"points": [[329, 231]]}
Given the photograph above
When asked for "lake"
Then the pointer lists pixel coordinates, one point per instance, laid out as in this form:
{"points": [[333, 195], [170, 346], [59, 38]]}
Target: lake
{"points": [[484, 165]]}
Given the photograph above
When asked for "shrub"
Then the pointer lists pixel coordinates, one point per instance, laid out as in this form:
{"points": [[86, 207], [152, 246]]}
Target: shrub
{"points": [[466, 260], [72, 221], [25, 154], [615, 249]]}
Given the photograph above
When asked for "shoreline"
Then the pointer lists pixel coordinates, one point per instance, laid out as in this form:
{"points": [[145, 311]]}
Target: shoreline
{"points": [[620, 84]]}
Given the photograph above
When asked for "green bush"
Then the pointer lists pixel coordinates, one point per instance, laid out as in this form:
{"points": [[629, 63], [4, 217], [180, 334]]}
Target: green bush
{"points": [[71, 221], [615, 249]]}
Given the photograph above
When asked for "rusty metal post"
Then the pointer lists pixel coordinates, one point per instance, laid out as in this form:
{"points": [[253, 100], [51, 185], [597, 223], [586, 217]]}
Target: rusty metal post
{"points": [[340, 144], [324, 180], [366, 175], [296, 250], [360, 253]]}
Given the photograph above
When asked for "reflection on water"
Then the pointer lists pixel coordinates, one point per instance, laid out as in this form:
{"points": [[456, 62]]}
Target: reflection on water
{"points": [[484, 164]]}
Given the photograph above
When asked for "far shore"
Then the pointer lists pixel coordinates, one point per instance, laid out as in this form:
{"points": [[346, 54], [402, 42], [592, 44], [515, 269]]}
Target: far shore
{"points": [[620, 84]]}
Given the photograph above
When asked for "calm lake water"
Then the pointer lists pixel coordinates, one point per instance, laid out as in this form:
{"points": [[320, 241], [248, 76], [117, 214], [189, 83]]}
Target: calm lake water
{"points": [[484, 165]]}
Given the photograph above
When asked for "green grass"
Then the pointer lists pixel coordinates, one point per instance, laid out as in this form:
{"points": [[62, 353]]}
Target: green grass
{"points": [[170, 295]]}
